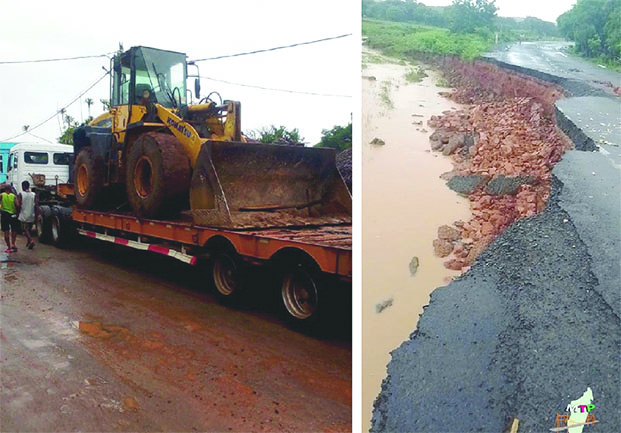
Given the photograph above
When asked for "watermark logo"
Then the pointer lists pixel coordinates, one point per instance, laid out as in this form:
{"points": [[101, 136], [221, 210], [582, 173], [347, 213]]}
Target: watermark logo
{"points": [[580, 415]]}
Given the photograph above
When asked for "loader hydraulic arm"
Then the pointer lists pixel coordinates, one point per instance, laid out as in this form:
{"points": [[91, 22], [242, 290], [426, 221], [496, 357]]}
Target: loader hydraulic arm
{"points": [[185, 133], [188, 136]]}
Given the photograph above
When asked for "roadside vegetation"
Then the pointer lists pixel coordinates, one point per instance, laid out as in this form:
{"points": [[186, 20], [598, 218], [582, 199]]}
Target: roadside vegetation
{"points": [[385, 94], [467, 28], [338, 138], [276, 134], [415, 75], [595, 27]]}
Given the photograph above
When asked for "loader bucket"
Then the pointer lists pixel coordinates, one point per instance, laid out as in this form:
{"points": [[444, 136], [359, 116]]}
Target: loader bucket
{"points": [[245, 185]]}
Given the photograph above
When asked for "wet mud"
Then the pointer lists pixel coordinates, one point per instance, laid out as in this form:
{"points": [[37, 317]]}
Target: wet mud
{"points": [[140, 348]]}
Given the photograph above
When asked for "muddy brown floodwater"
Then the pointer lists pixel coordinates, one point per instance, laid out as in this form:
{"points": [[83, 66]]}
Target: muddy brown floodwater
{"points": [[404, 201]]}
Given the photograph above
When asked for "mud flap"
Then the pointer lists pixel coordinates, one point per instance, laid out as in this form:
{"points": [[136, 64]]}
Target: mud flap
{"points": [[246, 185]]}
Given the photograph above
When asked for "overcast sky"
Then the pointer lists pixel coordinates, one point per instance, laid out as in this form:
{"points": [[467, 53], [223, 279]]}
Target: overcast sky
{"points": [[50, 29], [547, 10]]}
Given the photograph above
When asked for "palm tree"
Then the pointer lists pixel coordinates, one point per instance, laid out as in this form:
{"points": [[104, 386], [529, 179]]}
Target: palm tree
{"points": [[89, 102], [62, 112]]}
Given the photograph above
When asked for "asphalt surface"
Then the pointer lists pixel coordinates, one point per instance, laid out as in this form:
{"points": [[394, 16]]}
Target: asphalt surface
{"points": [[105, 338], [534, 322], [554, 59]]}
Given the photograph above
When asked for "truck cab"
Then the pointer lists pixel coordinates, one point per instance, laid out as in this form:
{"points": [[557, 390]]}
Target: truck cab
{"points": [[4, 160], [47, 163]]}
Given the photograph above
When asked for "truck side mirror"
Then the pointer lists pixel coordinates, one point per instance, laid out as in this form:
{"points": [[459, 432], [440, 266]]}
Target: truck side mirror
{"points": [[197, 88]]}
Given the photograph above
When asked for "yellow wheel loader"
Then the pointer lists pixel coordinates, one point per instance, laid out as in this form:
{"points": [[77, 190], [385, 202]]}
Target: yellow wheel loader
{"points": [[163, 156]]}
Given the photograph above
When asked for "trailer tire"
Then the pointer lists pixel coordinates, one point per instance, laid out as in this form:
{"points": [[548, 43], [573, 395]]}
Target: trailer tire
{"points": [[158, 176], [43, 224], [227, 276], [89, 179], [301, 296]]}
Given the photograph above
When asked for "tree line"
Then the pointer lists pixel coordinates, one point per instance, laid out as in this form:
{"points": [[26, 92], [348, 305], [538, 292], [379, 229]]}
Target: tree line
{"points": [[463, 16], [595, 27]]}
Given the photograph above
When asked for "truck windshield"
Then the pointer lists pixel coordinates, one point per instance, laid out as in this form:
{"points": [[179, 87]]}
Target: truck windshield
{"points": [[163, 74]]}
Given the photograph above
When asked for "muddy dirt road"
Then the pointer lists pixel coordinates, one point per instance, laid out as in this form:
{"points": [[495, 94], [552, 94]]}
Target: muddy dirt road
{"points": [[404, 203], [103, 338]]}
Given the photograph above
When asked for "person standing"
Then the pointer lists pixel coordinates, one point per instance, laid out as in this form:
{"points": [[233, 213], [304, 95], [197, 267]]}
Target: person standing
{"points": [[29, 211], [8, 218]]}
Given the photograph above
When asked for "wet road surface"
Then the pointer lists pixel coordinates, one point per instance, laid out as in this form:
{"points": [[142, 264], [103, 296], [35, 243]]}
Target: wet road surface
{"points": [[102, 338], [594, 107], [553, 58]]}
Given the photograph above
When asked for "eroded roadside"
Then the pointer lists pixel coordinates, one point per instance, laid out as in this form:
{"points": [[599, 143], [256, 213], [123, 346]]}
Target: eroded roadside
{"points": [[535, 321]]}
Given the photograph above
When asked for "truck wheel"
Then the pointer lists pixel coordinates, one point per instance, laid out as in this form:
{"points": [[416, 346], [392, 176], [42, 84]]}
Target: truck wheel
{"points": [[88, 175], [227, 274], [158, 176], [300, 296], [43, 225], [55, 228]]}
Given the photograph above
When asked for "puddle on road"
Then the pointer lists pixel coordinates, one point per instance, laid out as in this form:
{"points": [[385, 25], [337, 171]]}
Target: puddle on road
{"points": [[403, 203]]}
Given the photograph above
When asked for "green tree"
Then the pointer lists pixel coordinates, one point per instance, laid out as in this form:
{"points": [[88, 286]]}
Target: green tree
{"points": [[595, 27], [89, 102], [278, 135], [468, 15], [106, 104], [71, 125], [339, 138]]}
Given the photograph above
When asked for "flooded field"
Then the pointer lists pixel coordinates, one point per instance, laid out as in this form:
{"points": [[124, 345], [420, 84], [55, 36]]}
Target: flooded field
{"points": [[403, 203]]}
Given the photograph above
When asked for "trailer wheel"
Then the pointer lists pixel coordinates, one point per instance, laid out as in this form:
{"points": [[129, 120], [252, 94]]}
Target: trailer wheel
{"points": [[43, 224], [227, 275], [88, 175], [300, 294], [158, 176]]}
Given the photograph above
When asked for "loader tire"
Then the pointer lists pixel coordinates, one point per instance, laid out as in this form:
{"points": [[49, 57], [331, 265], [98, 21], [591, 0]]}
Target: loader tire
{"points": [[89, 179], [158, 176]]}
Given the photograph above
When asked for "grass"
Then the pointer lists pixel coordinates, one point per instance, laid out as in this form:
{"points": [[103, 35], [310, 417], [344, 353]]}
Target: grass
{"points": [[415, 75], [379, 59], [610, 64], [385, 94], [405, 40], [441, 82]]}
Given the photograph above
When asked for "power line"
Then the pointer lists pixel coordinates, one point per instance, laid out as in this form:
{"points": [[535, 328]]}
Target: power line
{"points": [[14, 62], [277, 90], [59, 110], [273, 49]]}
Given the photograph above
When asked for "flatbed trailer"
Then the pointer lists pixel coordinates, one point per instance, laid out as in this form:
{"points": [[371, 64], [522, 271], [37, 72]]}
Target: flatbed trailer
{"points": [[308, 263]]}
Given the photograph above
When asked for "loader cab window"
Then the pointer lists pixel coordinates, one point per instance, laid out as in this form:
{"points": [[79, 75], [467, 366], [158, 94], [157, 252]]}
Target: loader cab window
{"points": [[120, 88], [165, 73]]}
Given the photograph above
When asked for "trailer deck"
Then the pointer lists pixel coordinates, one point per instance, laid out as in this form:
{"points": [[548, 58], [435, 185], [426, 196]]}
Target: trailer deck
{"points": [[330, 246]]}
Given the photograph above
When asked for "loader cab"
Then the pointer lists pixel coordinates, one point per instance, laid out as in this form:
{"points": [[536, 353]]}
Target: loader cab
{"points": [[163, 73]]}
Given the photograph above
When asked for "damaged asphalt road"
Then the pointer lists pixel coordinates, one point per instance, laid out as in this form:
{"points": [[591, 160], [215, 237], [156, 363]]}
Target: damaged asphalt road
{"points": [[534, 322], [524, 332]]}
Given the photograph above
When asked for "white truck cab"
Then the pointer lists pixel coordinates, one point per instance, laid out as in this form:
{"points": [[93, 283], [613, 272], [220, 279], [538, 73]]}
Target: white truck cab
{"points": [[29, 159]]}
